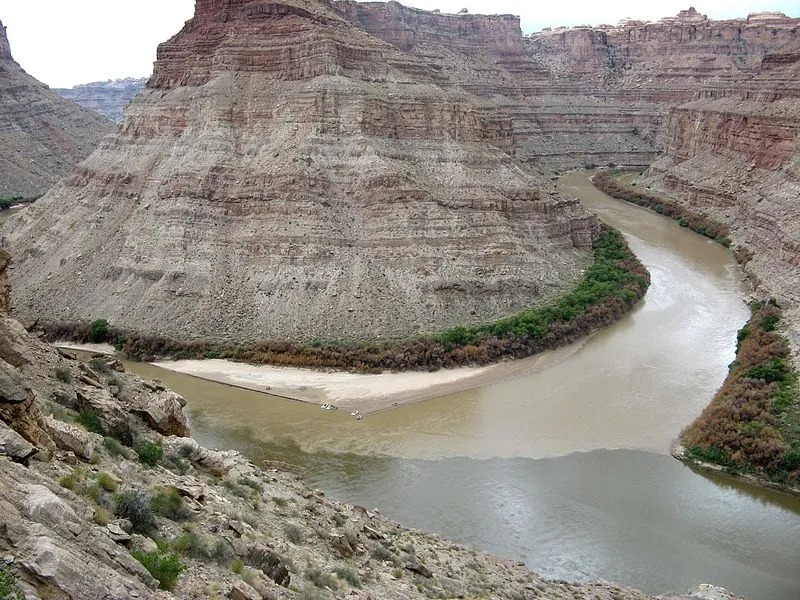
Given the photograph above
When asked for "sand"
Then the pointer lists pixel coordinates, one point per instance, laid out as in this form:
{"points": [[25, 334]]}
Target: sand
{"points": [[352, 391]]}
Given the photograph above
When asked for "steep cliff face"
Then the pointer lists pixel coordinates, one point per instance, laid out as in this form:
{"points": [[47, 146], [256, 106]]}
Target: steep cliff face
{"points": [[614, 86], [734, 152], [42, 135], [289, 175], [108, 98]]}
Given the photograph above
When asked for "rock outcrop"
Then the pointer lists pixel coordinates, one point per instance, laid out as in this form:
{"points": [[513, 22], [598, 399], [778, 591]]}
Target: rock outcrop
{"points": [[43, 136], [733, 152], [287, 174], [108, 98]]}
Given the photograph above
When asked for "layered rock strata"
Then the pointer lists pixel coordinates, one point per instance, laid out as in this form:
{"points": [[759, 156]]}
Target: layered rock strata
{"points": [[42, 135], [289, 175], [734, 153], [108, 98]]}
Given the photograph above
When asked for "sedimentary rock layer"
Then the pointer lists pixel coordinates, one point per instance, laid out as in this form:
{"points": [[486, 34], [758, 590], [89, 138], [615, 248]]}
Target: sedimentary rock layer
{"points": [[734, 152], [289, 175], [108, 98], [42, 135]]}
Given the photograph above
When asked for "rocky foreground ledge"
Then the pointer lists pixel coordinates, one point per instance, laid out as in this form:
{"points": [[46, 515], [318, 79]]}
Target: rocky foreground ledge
{"points": [[104, 495]]}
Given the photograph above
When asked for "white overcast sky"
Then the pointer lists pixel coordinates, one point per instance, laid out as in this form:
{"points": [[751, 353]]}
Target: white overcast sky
{"points": [[67, 42]]}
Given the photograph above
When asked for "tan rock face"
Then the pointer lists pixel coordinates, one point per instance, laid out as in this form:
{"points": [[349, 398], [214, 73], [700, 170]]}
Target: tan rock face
{"points": [[43, 136], [733, 152], [289, 175]]}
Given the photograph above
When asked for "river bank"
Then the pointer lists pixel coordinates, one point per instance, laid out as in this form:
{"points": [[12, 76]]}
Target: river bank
{"points": [[368, 394], [752, 425]]}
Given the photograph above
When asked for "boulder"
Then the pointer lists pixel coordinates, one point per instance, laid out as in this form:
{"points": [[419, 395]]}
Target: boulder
{"points": [[68, 437], [43, 506], [115, 421], [242, 591], [12, 387], [14, 445], [262, 558], [161, 410]]}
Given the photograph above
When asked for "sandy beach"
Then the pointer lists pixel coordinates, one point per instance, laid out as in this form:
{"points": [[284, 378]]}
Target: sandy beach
{"points": [[350, 392]]}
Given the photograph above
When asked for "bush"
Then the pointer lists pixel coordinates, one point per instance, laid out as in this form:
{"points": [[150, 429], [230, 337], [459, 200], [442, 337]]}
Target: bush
{"points": [[90, 421], [294, 534], [115, 447], [349, 575], [100, 365], [70, 481], [98, 331], [63, 374], [237, 566], [381, 553], [149, 453], [322, 579], [167, 502], [164, 566], [135, 506]]}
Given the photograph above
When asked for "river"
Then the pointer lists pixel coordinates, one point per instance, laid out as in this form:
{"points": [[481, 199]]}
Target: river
{"points": [[566, 468]]}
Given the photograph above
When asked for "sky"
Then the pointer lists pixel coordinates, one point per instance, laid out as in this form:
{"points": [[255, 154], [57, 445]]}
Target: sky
{"points": [[68, 42]]}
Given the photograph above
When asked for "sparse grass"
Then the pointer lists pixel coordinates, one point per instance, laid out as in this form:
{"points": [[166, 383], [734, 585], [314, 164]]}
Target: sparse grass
{"points": [[239, 490], [107, 482], [282, 502], [149, 453], [63, 374], [339, 519], [252, 483], [322, 579], [102, 516], [311, 593], [163, 565], [74, 479]]}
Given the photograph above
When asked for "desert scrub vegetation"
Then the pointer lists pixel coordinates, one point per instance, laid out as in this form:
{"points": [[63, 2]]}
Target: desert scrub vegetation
{"points": [[8, 586], [150, 453], [164, 565], [753, 423], [611, 184], [613, 283], [90, 421], [135, 505], [167, 502]]}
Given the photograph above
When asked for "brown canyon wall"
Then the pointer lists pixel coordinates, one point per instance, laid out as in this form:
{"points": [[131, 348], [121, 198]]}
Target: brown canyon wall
{"points": [[289, 175]]}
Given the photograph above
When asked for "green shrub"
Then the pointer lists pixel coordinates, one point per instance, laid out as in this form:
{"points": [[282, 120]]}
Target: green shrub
{"points": [[8, 586], [349, 575], [164, 566], [90, 421], [149, 453], [69, 481], [167, 502], [237, 566], [683, 222], [773, 370], [63, 374], [135, 506], [98, 331]]}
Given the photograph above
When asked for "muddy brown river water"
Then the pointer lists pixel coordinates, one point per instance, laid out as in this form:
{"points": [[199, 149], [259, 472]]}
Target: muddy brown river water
{"points": [[566, 468]]}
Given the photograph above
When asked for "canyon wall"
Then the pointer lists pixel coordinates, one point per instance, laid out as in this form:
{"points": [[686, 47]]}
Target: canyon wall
{"points": [[108, 98], [43, 136], [734, 152], [289, 175]]}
